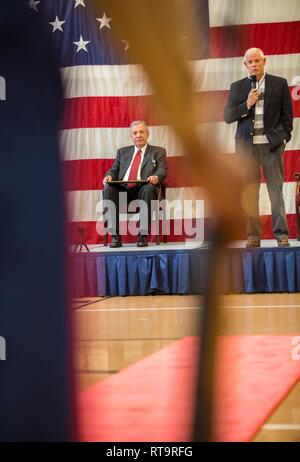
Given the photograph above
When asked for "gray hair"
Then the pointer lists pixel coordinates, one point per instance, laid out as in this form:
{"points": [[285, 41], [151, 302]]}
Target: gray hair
{"points": [[254, 50], [137, 122]]}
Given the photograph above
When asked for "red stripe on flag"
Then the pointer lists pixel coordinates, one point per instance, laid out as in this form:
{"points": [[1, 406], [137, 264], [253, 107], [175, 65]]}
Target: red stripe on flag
{"points": [[266, 223], [92, 237], [116, 112], [291, 162], [81, 175], [87, 174], [272, 38], [110, 111]]}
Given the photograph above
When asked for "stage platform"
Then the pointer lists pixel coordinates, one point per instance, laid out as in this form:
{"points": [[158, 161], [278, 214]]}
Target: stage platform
{"points": [[181, 268]]}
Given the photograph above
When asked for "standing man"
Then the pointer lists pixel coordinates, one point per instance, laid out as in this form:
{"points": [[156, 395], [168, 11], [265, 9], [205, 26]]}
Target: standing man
{"points": [[261, 104], [138, 162]]}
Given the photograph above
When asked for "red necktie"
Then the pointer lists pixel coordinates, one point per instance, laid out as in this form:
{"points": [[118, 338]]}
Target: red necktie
{"points": [[134, 168]]}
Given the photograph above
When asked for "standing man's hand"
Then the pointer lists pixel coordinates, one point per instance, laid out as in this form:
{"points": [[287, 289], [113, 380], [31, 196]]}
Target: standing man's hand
{"points": [[153, 179], [252, 98], [106, 179]]}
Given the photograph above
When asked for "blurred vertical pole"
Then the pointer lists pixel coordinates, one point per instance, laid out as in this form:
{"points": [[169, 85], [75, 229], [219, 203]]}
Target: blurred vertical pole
{"points": [[203, 430], [35, 394], [223, 43]]}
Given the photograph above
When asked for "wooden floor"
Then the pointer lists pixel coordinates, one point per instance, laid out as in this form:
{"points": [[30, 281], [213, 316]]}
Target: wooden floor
{"points": [[111, 333]]}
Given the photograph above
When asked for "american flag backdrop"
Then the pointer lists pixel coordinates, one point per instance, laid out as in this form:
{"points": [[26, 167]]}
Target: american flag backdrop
{"points": [[104, 91]]}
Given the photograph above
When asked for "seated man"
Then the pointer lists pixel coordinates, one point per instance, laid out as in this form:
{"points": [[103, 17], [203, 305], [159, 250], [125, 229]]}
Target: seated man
{"points": [[138, 162]]}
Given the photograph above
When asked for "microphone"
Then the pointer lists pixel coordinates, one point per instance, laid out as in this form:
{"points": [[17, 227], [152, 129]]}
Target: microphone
{"points": [[253, 86], [253, 82]]}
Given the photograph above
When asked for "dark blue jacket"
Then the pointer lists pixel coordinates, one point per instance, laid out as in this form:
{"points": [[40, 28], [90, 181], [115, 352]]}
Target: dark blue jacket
{"points": [[278, 111]]}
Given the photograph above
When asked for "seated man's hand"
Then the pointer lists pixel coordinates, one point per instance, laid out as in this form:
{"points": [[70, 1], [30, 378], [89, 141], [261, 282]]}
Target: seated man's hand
{"points": [[106, 179], [153, 179]]}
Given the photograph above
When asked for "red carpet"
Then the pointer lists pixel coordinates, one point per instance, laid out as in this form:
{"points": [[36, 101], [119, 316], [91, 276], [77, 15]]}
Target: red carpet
{"points": [[151, 400]]}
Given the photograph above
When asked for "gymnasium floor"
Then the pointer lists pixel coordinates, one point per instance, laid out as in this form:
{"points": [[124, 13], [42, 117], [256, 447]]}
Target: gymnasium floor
{"points": [[111, 333]]}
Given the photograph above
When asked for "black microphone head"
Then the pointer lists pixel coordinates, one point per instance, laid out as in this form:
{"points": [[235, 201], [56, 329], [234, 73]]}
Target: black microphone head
{"points": [[253, 79]]}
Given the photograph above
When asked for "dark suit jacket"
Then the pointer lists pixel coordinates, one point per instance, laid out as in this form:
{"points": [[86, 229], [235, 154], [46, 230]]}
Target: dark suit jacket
{"points": [[278, 111], [154, 163]]}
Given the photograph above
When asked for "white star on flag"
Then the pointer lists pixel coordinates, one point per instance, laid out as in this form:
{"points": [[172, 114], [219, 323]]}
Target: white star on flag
{"points": [[104, 21], [33, 4], [81, 44], [57, 24], [79, 2]]}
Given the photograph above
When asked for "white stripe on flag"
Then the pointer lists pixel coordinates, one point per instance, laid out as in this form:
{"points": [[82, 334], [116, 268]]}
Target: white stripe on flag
{"points": [[289, 189], [117, 80], [103, 143], [233, 12], [130, 80], [86, 206], [224, 135], [218, 74]]}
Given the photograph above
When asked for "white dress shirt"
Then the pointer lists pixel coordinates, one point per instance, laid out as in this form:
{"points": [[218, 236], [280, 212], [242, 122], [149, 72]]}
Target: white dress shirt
{"points": [[143, 149]]}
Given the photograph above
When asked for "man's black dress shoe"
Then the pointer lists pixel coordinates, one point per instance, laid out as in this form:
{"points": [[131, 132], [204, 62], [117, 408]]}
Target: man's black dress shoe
{"points": [[116, 241], [142, 241]]}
